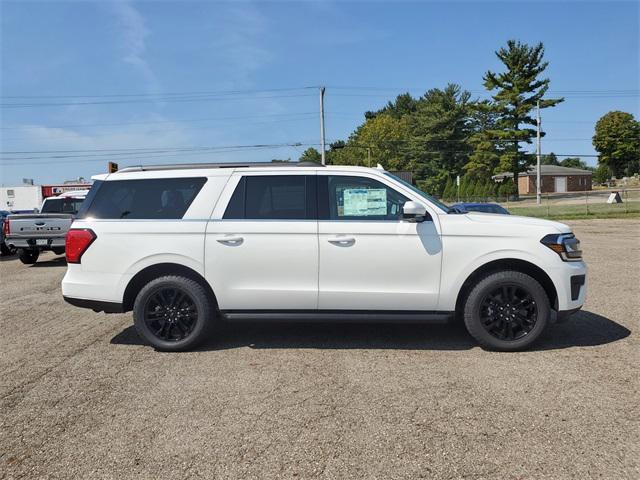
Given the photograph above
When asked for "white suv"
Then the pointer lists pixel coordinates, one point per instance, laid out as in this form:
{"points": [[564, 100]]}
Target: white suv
{"points": [[185, 246]]}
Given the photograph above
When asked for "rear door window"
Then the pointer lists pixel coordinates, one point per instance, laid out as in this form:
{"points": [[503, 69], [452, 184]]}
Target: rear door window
{"points": [[62, 205], [153, 199], [273, 197]]}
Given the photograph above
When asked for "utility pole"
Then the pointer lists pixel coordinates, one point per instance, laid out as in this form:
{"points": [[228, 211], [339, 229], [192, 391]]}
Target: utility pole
{"points": [[322, 152], [538, 187]]}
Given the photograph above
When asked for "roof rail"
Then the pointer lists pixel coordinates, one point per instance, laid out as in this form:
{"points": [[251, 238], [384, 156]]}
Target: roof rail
{"points": [[183, 166]]}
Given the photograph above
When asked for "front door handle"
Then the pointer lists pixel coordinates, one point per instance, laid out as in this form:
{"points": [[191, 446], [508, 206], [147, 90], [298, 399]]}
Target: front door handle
{"points": [[342, 241], [231, 240]]}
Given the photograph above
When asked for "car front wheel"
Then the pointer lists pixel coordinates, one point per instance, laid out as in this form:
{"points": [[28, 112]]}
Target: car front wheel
{"points": [[507, 311], [173, 313]]}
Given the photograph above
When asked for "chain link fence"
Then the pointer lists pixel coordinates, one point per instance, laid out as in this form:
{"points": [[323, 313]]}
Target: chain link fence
{"points": [[601, 203]]}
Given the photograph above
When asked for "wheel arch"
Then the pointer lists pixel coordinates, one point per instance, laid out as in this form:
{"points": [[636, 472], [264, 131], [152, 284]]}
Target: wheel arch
{"points": [[144, 276], [502, 264]]}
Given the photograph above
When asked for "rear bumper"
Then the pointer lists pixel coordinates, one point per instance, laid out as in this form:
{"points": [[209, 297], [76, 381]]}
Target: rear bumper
{"points": [[56, 242], [95, 305]]}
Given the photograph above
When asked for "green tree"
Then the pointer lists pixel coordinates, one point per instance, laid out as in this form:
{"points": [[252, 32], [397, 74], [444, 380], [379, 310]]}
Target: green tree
{"points": [[404, 104], [549, 159], [573, 162], [311, 155], [601, 174], [617, 140], [381, 137], [448, 193], [439, 130], [486, 156], [518, 89]]}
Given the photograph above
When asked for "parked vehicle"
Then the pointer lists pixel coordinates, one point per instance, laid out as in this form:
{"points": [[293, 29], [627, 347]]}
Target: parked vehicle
{"points": [[480, 207], [35, 232], [4, 248], [185, 246]]}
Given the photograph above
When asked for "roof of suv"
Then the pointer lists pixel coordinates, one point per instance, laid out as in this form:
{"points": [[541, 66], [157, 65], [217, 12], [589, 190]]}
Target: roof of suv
{"points": [[166, 171], [189, 166]]}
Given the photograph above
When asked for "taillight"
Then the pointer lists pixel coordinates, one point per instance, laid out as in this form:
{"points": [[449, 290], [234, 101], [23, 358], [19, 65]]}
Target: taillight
{"points": [[6, 228], [77, 242]]}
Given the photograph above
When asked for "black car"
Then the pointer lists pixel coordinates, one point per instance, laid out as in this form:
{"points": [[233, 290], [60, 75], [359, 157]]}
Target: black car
{"points": [[481, 207]]}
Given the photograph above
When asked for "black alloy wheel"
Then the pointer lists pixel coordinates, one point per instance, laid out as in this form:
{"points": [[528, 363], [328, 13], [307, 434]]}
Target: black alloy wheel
{"points": [[508, 312], [174, 313], [170, 314]]}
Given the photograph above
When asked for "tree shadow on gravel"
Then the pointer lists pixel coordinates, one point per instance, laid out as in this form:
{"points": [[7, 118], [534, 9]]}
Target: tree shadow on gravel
{"points": [[584, 329]]}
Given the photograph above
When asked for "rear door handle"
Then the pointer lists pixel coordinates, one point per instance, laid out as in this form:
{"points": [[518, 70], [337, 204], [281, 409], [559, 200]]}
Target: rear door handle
{"points": [[342, 241], [231, 240]]}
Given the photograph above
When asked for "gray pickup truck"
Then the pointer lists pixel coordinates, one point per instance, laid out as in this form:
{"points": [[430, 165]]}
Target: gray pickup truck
{"points": [[33, 233]]}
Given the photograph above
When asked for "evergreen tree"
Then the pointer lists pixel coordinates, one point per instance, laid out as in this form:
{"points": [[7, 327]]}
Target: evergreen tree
{"points": [[448, 192], [486, 156], [518, 90], [439, 130], [573, 162], [311, 155], [549, 159]]}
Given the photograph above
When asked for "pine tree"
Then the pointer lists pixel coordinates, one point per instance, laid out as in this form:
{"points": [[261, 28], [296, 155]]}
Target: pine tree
{"points": [[447, 194], [519, 89]]}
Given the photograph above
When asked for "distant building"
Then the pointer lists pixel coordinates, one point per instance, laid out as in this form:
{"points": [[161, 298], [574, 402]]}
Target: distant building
{"points": [[20, 197], [29, 197], [554, 179]]}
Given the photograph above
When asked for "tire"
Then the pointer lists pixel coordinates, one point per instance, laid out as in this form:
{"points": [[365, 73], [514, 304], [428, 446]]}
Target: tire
{"points": [[507, 311], [6, 250], [29, 257], [173, 313]]}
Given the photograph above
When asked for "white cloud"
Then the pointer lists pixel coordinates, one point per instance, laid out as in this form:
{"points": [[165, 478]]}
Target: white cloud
{"points": [[238, 47], [134, 40]]}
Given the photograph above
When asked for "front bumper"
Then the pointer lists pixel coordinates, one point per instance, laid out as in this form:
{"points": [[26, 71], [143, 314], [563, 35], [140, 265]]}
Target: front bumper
{"points": [[563, 315], [570, 280]]}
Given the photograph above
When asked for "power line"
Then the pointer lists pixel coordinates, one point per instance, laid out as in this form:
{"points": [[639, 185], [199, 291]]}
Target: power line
{"points": [[147, 100], [163, 94], [154, 122], [160, 156], [104, 152]]}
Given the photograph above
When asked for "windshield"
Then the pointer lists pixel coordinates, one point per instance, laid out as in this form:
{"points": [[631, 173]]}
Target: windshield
{"points": [[62, 205], [426, 196]]}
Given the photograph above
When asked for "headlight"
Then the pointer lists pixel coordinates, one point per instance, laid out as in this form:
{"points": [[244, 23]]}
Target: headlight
{"points": [[564, 244]]}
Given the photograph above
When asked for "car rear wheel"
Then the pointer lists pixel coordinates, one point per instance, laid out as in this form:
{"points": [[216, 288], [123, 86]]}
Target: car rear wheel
{"points": [[29, 257], [507, 311], [173, 313], [6, 249]]}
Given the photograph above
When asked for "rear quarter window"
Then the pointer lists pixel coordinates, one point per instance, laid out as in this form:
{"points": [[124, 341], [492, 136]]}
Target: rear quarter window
{"points": [[148, 199]]}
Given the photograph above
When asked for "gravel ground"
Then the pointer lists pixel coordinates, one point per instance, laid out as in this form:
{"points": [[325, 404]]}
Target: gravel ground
{"points": [[81, 397]]}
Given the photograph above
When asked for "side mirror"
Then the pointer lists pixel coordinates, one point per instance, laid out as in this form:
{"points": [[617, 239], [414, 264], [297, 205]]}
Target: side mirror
{"points": [[414, 212]]}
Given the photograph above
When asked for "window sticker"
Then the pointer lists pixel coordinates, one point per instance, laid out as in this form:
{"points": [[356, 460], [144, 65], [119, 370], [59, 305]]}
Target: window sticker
{"points": [[362, 202]]}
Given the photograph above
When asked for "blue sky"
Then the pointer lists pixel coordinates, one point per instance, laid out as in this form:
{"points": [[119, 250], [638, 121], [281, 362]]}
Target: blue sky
{"points": [[79, 54]]}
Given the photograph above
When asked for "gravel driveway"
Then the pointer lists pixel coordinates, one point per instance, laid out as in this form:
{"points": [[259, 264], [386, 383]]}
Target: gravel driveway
{"points": [[82, 398]]}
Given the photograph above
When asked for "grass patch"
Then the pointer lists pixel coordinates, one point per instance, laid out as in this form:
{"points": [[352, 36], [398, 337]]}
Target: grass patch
{"points": [[577, 211]]}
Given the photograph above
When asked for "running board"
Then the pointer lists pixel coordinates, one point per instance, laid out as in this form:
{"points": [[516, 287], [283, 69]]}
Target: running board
{"points": [[345, 316]]}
